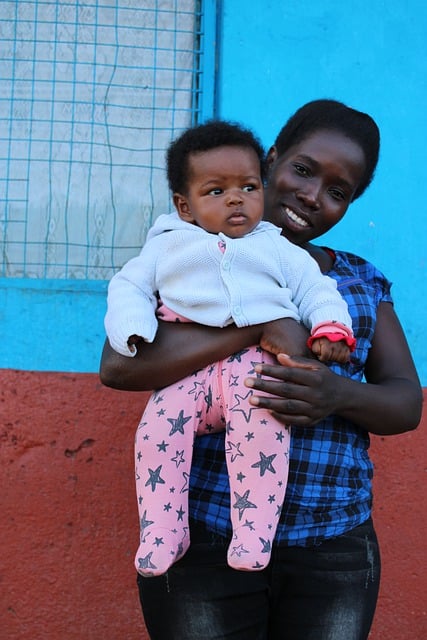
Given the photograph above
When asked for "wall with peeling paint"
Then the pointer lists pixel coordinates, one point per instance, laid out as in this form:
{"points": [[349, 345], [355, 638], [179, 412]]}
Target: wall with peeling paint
{"points": [[69, 525]]}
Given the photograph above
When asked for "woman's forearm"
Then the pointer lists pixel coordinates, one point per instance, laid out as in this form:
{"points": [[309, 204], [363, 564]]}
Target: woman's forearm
{"points": [[391, 407], [181, 348], [178, 350]]}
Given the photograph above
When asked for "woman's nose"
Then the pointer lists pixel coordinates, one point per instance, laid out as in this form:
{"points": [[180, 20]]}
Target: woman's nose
{"points": [[310, 194]]}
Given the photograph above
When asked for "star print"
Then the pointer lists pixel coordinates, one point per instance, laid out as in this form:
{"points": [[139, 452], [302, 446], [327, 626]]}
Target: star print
{"points": [[139, 456], [145, 563], [146, 437], [154, 478], [238, 551], [162, 446], [186, 477], [266, 545], [279, 436], [265, 463], [243, 503], [249, 436], [197, 390], [237, 356], [228, 428], [144, 523], [240, 407], [208, 399], [142, 425], [250, 524], [178, 423], [263, 421], [180, 513], [233, 381], [179, 458], [236, 448], [158, 542], [240, 477], [252, 371], [167, 507], [158, 399], [271, 499], [161, 412]]}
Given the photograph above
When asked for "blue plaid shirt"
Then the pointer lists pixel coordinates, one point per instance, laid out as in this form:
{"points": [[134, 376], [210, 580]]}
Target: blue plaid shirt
{"points": [[329, 487]]}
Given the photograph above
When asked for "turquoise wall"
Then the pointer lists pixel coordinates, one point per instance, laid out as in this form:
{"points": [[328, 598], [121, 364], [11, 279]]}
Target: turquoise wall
{"points": [[275, 56]]}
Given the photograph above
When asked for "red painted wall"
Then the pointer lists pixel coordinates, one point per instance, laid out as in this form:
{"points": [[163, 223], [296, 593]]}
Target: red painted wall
{"points": [[69, 525]]}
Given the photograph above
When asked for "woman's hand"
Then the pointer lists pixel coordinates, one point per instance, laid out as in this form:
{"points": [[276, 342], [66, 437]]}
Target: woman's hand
{"points": [[303, 391]]}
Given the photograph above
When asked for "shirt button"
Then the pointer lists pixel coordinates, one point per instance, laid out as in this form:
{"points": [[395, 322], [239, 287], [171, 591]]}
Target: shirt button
{"points": [[237, 311], [226, 266]]}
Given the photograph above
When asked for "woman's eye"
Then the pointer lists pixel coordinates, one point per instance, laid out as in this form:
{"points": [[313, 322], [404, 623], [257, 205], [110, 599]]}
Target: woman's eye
{"points": [[303, 171], [337, 194]]}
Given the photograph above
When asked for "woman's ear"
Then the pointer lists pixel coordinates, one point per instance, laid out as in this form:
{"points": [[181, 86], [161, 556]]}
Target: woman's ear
{"points": [[271, 157], [183, 207]]}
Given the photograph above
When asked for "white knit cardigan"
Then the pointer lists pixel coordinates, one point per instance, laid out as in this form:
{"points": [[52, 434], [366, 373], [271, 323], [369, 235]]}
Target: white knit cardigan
{"points": [[253, 279]]}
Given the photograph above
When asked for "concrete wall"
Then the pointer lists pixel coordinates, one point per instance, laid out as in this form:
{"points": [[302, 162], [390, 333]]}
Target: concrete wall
{"points": [[69, 526]]}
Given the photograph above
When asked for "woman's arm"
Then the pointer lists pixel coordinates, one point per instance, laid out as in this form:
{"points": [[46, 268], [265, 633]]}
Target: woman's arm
{"points": [[390, 402], [181, 348]]}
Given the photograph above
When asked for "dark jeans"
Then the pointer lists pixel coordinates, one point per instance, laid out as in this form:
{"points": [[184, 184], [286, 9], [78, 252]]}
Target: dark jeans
{"points": [[327, 592]]}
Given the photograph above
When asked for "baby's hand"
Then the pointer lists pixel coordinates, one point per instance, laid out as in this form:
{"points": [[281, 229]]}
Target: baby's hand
{"points": [[132, 342], [327, 351], [285, 336]]}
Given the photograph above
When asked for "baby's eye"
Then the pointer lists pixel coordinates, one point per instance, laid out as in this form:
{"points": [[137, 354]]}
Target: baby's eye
{"points": [[215, 192], [249, 187]]}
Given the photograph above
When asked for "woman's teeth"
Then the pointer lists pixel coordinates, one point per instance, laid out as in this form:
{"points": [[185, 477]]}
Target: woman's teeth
{"points": [[293, 216]]}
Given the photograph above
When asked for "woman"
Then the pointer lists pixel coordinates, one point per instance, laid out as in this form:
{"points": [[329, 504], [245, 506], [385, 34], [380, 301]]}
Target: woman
{"points": [[323, 580]]}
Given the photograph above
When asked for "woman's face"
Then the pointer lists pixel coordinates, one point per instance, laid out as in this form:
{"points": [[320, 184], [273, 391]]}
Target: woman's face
{"points": [[311, 185]]}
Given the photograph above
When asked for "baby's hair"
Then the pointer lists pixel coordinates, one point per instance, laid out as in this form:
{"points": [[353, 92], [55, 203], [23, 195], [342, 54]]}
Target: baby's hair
{"points": [[331, 115], [205, 137]]}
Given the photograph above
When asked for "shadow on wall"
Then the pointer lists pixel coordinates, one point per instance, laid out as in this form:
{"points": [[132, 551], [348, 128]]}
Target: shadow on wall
{"points": [[69, 526]]}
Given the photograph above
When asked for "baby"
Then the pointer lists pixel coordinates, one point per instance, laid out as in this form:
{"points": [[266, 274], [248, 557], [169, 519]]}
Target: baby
{"points": [[214, 261]]}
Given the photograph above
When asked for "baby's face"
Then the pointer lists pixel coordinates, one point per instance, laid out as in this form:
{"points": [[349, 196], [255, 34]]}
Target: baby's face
{"points": [[225, 192]]}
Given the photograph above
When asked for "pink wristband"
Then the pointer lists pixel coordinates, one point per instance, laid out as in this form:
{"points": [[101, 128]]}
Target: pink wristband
{"points": [[334, 332]]}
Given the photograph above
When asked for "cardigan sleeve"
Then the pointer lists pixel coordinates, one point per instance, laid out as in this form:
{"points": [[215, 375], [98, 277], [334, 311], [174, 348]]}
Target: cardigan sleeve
{"points": [[132, 299]]}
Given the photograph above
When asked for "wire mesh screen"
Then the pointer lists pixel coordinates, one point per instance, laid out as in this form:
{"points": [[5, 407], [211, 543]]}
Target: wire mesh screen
{"points": [[91, 93]]}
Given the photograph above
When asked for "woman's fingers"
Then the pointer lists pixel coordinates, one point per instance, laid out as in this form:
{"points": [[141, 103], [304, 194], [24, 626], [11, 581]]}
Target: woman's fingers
{"points": [[295, 390]]}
